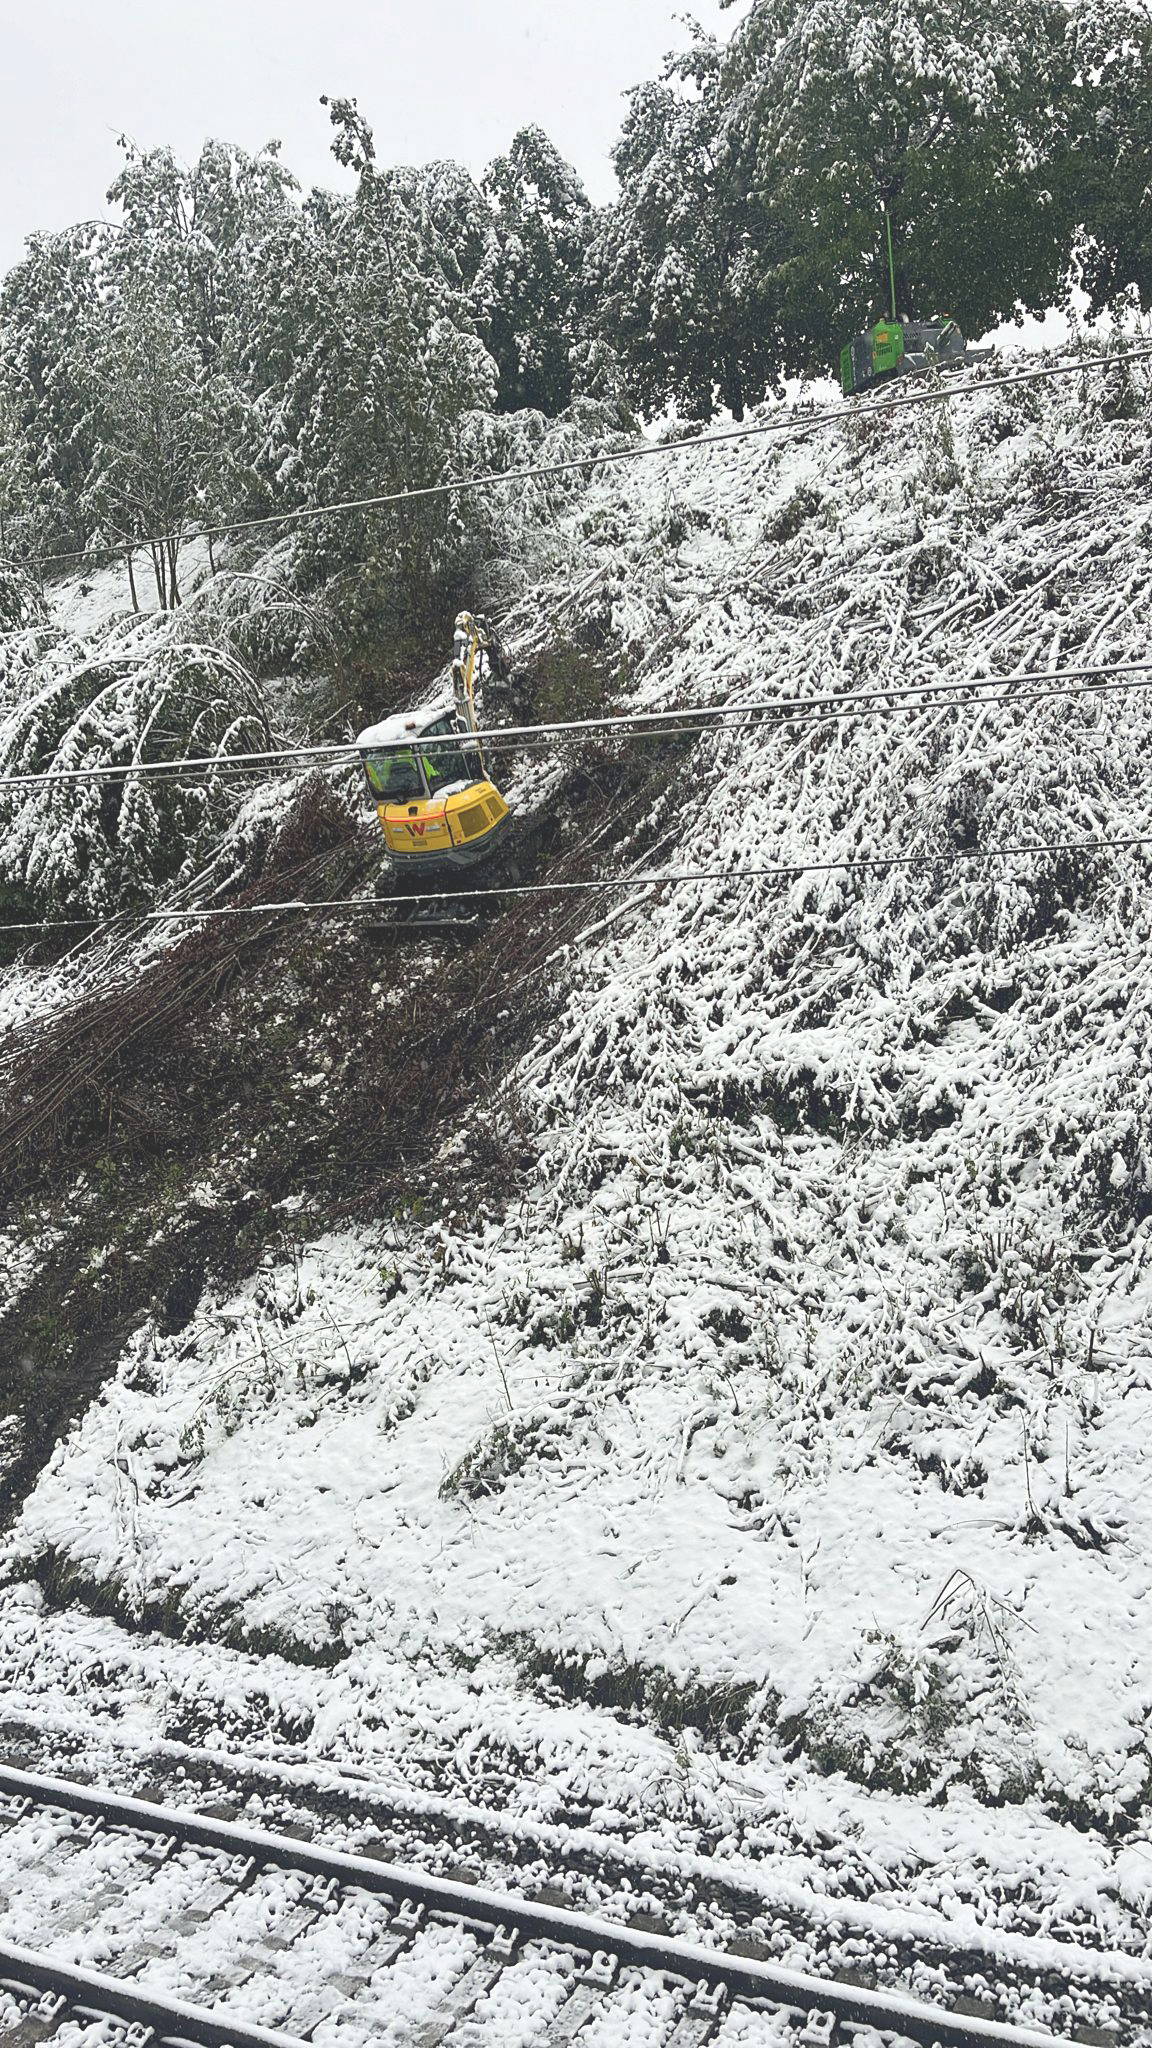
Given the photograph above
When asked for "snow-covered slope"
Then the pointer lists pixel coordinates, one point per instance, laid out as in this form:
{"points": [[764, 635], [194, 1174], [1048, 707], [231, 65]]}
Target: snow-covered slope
{"points": [[764, 1466]]}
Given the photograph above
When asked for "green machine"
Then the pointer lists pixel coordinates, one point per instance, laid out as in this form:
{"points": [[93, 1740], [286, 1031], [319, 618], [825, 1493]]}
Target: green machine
{"points": [[898, 348]]}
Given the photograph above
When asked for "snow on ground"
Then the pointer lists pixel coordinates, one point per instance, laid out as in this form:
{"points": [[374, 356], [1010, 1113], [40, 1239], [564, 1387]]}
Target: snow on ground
{"points": [[81, 600], [767, 1463]]}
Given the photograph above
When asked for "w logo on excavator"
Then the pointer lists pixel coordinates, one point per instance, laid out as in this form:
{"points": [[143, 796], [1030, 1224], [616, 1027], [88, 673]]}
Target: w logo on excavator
{"points": [[419, 828]]}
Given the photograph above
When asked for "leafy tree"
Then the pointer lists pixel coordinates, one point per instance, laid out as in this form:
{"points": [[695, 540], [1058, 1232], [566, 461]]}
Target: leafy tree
{"points": [[194, 228], [532, 291], [451, 220], [949, 113], [22, 524], [195, 234], [135, 693], [156, 426], [107, 331], [1109, 167], [680, 278], [222, 349], [51, 314], [366, 366]]}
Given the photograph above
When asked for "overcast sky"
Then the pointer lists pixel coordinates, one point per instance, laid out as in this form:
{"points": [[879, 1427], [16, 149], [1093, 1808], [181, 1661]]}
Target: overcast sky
{"points": [[435, 77]]}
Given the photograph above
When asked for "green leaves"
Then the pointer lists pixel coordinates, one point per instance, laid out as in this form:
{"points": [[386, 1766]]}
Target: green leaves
{"points": [[1108, 179], [680, 265], [531, 295], [748, 240]]}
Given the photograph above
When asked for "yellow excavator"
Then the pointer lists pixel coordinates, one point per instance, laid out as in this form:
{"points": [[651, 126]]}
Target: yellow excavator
{"points": [[426, 773]]}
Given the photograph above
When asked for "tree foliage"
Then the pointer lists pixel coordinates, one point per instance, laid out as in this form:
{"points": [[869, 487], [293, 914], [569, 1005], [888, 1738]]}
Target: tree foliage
{"points": [[1109, 167], [155, 414], [946, 113], [225, 349], [748, 241], [678, 262], [132, 695], [531, 294]]}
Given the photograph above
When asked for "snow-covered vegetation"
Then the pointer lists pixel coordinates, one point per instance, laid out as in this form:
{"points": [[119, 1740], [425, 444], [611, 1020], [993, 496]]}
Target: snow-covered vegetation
{"points": [[674, 1373], [757, 1462]]}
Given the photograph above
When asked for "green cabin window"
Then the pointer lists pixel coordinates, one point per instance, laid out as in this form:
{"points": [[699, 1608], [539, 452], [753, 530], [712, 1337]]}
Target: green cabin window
{"points": [[394, 775]]}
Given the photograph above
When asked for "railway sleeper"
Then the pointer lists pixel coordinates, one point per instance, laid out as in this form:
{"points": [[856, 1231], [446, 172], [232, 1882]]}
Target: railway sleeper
{"points": [[705, 2012], [258, 1951], [150, 1853], [372, 1935], [77, 1833], [226, 1877], [463, 1997], [585, 1998], [40, 2021], [219, 1890]]}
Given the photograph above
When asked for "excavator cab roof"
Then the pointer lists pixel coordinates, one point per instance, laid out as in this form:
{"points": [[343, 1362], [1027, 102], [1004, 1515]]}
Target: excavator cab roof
{"points": [[408, 726]]}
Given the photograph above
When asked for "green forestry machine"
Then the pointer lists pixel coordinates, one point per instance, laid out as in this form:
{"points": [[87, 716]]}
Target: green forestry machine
{"points": [[897, 347]]}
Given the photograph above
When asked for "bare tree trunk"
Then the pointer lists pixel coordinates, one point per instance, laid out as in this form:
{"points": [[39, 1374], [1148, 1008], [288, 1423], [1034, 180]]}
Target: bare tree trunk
{"points": [[173, 589], [211, 557], [132, 581], [158, 570]]}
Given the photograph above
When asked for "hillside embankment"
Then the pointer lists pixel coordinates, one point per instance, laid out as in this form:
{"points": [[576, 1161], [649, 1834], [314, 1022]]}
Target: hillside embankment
{"points": [[684, 1369]]}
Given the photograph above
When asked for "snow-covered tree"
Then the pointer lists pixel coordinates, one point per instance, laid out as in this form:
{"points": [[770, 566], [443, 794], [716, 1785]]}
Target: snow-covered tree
{"points": [[156, 430], [450, 218], [1110, 168], [948, 113], [532, 293], [680, 279], [135, 693], [51, 314], [367, 365], [22, 522], [23, 615], [193, 228], [109, 332], [748, 241]]}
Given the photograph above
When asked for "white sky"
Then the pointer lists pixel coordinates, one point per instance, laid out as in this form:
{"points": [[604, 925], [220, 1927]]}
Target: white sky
{"points": [[436, 78]]}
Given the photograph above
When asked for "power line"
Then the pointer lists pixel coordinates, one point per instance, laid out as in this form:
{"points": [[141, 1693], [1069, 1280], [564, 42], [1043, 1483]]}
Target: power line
{"points": [[787, 871], [691, 719], [635, 452]]}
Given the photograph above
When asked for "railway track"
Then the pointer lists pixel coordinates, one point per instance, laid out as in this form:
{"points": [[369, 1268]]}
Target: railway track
{"points": [[166, 1925]]}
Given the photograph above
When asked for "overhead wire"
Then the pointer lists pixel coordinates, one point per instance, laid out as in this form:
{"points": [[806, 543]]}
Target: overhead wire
{"points": [[782, 871], [1097, 680], [666, 724], [636, 451]]}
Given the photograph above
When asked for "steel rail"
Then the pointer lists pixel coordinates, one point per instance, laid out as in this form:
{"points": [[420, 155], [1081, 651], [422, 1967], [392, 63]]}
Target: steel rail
{"points": [[690, 1962], [92, 1992], [350, 1792]]}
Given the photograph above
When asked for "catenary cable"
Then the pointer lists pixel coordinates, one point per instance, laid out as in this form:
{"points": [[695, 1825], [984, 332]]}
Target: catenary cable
{"points": [[1073, 682], [636, 451], [784, 871]]}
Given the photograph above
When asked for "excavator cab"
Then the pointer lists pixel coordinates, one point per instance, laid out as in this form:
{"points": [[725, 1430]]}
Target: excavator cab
{"points": [[437, 807], [431, 790], [426, 773]]}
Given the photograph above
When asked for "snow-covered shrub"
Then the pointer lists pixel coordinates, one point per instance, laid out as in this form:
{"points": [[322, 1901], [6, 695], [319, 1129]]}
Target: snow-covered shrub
{"points": [[131, 696], [265, 618], [511, 532], [21, 603]]}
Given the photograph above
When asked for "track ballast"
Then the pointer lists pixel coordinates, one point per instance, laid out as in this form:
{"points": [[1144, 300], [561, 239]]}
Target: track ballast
{"points": [[178, 1927]]}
